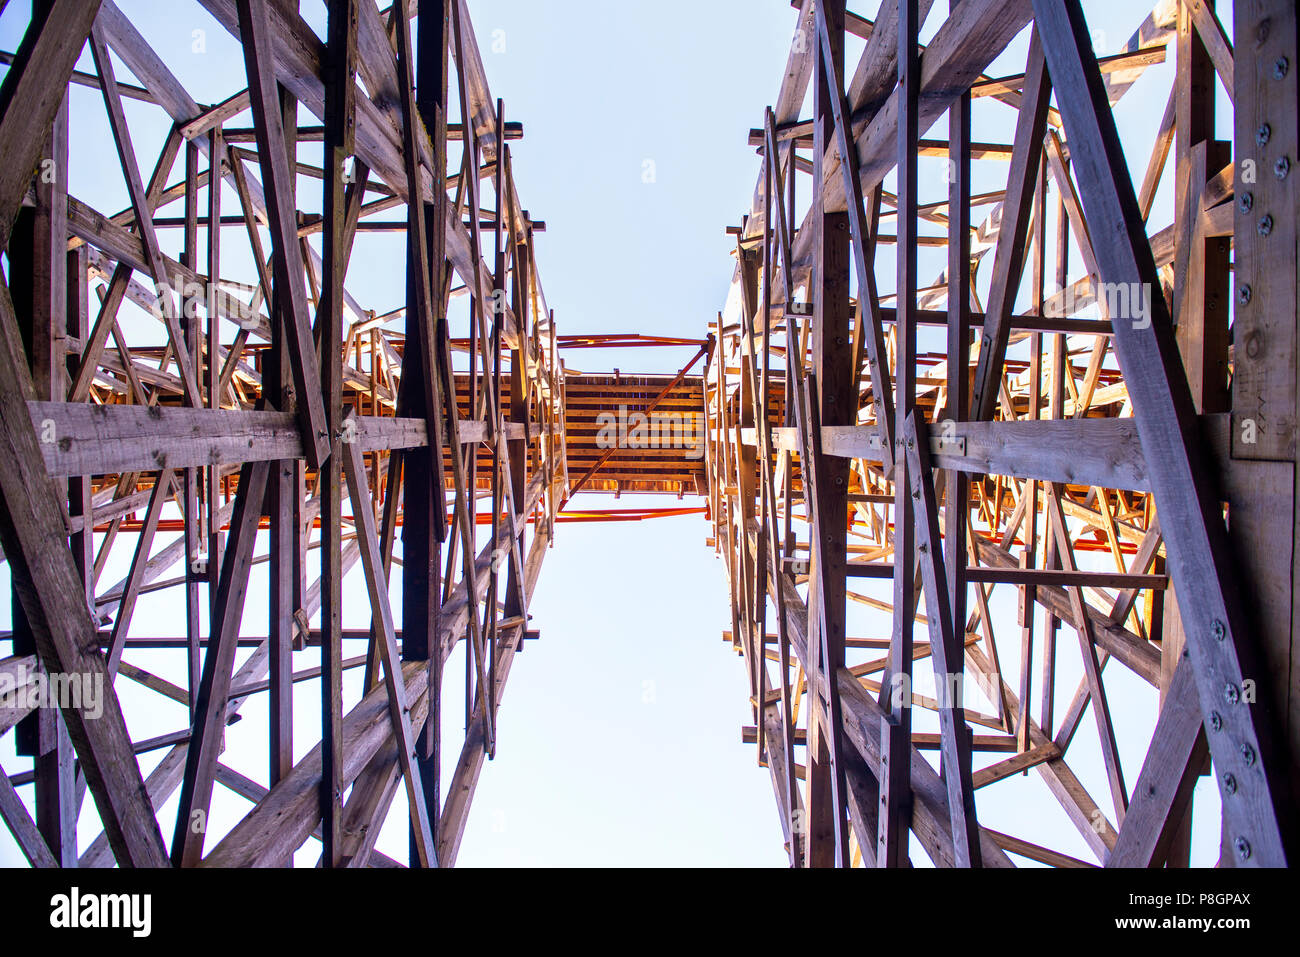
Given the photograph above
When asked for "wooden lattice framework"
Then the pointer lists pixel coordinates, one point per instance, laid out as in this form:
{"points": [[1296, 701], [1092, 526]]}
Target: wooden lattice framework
{"points": [[1034, 436], [277, 402]]}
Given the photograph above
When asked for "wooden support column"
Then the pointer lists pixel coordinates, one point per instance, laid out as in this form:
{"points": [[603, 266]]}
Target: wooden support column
{"points": [[831, 392], [896, 724], [945, 650], [283, 502], [957, 507], [340, 94], [39, 270], [1265, 525], [1200, 300], [518, 448], [424, 506]]}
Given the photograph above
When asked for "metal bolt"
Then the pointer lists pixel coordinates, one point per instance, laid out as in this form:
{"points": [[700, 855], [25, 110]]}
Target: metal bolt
{"points": [[1246, 203], [1282, 168], [1217, 630], [1266, 225], [924, 548], [1244, 292], [1280, 67], [1216, 721], [1229, 784], [1248, 755], [1243, 848], [1263, 134], [1231, 694]]}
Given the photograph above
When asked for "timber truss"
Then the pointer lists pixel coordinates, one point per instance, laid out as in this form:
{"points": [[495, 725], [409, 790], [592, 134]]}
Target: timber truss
{"points": [[268, 408], [987, 432], [1094, 398]]}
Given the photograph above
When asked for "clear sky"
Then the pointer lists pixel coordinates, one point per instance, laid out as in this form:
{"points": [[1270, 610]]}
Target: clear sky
{"points": [[620, 731]]}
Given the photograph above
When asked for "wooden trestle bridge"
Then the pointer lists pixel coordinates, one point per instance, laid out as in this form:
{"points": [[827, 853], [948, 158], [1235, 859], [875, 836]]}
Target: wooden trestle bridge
{"points": [[1090, 409]]}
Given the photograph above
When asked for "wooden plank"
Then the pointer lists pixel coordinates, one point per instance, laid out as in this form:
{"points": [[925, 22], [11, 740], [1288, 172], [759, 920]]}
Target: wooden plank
{"points": [[1103, 452], [108, 440]]}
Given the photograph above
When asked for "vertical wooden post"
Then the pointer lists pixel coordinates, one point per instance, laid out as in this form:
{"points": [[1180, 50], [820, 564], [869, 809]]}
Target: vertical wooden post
{"points": [[421, 548], [39, 268], [340, 93], [1266, 304], [896, 727], [284, 509]]}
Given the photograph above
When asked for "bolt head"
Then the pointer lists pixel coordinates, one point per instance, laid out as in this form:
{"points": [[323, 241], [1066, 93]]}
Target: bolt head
{"points": [[1280, 68], [1263, 134], [1244, 293], [1218, 630], [1282, 168], [1229, 784], [1266, 225], [1216, 721], [1231, 694], [1243, 848], [1248, 755], [1246, 202]]}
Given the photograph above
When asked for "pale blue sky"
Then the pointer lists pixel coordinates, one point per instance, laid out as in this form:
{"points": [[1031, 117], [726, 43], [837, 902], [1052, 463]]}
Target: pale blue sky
{"points": [[620, 730]]}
